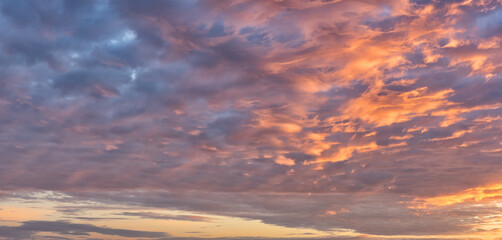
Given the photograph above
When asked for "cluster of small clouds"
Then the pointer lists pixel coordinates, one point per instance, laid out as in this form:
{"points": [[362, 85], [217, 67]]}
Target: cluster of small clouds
{"points": [[328, 114]]}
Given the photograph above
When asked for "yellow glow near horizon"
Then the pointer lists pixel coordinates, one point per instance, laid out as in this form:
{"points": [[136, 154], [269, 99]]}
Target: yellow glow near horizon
{"points": [[15, 212]]}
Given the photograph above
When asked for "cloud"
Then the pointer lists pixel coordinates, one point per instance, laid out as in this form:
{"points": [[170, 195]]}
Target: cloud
{"points": [[31, 228], [152, 215], [280, 111]]}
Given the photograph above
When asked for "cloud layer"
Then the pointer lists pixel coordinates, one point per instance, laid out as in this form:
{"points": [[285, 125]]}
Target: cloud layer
{"points": [[367, 115]]}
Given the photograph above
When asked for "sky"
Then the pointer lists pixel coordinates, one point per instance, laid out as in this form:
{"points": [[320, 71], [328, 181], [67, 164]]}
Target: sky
{"points": [[251, 119]]}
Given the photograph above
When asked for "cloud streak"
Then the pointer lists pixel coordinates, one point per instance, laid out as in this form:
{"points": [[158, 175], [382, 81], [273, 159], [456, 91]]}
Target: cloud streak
{"points": [[30, 228]]}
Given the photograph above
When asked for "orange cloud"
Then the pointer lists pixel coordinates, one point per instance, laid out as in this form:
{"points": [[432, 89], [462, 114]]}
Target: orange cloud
{"points": [[384, 108], [471, 196]]}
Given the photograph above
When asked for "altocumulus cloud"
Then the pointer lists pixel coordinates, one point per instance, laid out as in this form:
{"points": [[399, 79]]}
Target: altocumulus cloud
{"points": [[363, 115]]}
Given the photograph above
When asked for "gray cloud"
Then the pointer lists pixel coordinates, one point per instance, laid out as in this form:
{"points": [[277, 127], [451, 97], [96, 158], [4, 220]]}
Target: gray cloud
{"points": [[152, 215], [29, 228]]}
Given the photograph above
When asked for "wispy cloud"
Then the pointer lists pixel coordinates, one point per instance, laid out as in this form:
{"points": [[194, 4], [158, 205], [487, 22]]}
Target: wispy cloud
{"points": [[30, 228]]}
